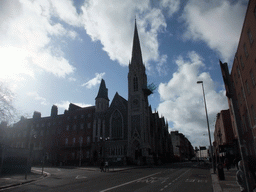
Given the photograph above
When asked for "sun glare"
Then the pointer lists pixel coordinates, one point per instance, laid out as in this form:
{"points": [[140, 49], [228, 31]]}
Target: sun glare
{"points": [[14, 63]]}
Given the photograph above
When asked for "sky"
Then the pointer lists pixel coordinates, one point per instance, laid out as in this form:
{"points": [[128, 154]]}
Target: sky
{"points": [[55, 52]]}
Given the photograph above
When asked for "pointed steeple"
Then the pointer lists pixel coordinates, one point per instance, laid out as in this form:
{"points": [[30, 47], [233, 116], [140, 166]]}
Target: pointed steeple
{"points": [[136, 50], [103, 91]]}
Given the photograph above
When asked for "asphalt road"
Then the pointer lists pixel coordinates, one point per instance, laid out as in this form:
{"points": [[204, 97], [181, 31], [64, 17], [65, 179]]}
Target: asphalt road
{"points": [[180, 177]]}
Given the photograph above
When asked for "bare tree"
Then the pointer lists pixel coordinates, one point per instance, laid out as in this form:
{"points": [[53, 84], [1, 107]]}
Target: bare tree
{"points": [[7, 110]]}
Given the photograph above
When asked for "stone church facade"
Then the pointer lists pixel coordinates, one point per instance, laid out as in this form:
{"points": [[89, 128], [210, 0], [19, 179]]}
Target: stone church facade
{"points": [[121, 132]]}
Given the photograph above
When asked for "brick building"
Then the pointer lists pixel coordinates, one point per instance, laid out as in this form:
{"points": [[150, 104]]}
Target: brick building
{"points": [[182, 148], [240, 83], [224, 139]]}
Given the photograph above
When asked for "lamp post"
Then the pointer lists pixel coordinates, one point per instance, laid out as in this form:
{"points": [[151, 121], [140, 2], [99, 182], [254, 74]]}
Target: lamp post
{"points": [[201, 82], [80, 153], [30, 148]]}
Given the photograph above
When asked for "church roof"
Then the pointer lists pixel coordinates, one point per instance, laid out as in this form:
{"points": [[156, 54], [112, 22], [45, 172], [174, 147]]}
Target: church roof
{"points": [[103, 91]]}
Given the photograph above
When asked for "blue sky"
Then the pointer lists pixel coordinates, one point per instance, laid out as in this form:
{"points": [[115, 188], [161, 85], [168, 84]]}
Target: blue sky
{"points": [[57, 51]]}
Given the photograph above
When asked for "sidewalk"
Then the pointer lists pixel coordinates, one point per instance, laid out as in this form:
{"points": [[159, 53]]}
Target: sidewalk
{"points": [[7, 181], [227, 185]]}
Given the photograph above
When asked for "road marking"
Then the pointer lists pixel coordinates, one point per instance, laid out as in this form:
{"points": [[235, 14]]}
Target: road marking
{"points": [[129, 182], [80, 177], [195, 180], [174, 180]]}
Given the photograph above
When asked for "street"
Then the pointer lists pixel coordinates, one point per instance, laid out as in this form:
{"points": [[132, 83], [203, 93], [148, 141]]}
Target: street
{"points": [[174, 177]]}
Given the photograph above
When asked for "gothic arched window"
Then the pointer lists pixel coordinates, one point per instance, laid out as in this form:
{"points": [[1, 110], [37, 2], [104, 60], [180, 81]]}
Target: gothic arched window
{"points": [[116, 122], [135, 83]]}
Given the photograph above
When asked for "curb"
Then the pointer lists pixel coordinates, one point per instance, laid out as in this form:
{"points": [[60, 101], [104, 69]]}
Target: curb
{"points": [[215, 182], [45, 174], [16, 184]]}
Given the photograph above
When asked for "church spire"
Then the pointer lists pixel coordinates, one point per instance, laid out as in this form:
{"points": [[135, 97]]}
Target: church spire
{"points": [[103, 91], [136, 50]]}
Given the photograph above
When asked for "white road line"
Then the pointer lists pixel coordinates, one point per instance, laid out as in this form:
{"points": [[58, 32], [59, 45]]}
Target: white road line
{"points": [[80, 177], [129, 182], [174, 180]]}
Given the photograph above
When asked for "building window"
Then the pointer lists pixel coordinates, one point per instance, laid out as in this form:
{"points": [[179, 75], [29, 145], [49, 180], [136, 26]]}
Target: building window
{"points": [[88, 125], [243, 92], [66, 141], [253, 114], [74, 141], [75, 117], [235, 77], [241, 61], [88, 139], [74, 127], [239, 99], [81, 140], [116, 123], [252, 78], [245, 51], [135, 83], [247, 87], [87, 154], [67, 128], [249, 33], [89, 115], [82, 116], [81, 126], [255, 11], [238, 71]]}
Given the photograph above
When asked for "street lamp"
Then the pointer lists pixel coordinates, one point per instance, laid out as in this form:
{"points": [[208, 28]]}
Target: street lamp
{"points": [[80, 153], [201, 82]]}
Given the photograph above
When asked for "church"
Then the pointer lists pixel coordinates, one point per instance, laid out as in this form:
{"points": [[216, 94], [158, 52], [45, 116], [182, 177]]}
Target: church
{"points": [[121, 132]]}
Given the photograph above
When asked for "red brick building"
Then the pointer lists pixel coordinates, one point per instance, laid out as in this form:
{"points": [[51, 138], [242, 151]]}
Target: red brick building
{"points": [[224, 139], [241, 83]]}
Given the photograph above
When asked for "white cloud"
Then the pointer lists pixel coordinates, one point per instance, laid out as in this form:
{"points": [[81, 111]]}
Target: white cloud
{"points": [[66, 11], [95, 81], [112, 23], [161, 65], [172, 5], [71, 79], [211, 21], [182, 99], [36, 97], [65, 104], [26, 32]]}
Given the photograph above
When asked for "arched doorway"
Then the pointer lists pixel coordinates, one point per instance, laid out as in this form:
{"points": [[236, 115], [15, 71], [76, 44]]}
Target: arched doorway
{"points": [[137, 151]]}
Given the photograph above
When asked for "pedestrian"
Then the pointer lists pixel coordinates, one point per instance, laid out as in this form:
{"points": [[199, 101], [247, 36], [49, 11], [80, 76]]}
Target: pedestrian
{"points": [[106, 166], [226, 162], [240, 178], [252, 166], [102, 166], [235, 162]]}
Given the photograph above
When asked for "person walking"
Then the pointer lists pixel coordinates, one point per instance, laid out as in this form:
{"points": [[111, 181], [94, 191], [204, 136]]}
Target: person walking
{"points": [[226, 162], [240, 178], [102, 166], [106, 166]]}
